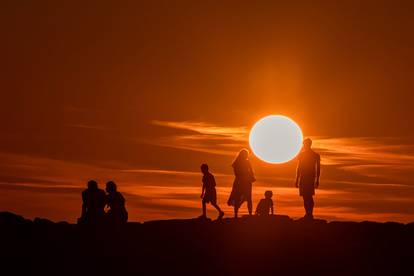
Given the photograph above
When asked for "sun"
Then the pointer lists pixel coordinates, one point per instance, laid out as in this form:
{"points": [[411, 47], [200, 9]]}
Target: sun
{"points": [[276, 139]]}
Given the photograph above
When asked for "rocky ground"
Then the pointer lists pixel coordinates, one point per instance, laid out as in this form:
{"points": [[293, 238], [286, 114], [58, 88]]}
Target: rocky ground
{"points": [[247, 246]]}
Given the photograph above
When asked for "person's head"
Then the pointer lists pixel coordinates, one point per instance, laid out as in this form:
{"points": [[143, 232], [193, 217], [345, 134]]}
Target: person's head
{"points": [[268, 194], [92, 185], [204, 168], [243, 155], [307, 143], [110, 187]]}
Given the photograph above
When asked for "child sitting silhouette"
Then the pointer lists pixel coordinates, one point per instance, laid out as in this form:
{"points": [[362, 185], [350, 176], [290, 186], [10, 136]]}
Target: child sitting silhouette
{"points": [[117, 213], [265, 205], [208, 192]]}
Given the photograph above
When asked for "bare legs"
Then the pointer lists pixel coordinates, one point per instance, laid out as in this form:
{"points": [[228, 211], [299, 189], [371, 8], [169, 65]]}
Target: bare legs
{"points": [[221, 213], [204, 209], [249, 208], [217, 207], [308, 204], [214, 204], [236, 210]]}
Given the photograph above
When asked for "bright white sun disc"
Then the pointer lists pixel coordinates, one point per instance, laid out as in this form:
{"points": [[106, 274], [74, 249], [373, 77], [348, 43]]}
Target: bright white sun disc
{"points": [[276, 139]]}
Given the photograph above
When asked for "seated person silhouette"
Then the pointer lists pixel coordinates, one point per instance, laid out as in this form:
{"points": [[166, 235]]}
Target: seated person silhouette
{"points": [[117, 213], [265, 205], [208, 192], [93, 204]]}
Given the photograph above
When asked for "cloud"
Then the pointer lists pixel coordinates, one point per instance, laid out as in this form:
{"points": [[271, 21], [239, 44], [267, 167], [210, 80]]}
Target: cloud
{"points": [[343, 151], [168, 172], [203, 137], [379, 158], [376, 158], [234, 133]]}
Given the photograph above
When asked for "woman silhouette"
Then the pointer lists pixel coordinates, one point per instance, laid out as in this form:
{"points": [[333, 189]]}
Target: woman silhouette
{"points": [[117, 212], [242, 185]]}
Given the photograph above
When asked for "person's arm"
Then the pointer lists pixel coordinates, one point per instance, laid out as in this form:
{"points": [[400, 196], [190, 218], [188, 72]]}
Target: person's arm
{"points": [[318, 171], [297, 174], [271, 207], [251, 172], [122, 199], [106, 200], [203, 189]]}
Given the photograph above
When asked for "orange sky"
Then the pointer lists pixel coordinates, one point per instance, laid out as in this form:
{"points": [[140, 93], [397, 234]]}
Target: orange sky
{"points": [[144, 93]]}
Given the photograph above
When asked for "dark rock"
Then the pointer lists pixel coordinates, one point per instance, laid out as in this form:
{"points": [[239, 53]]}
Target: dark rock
{"points": [[251, 245], [42, 221], [10, 219]]}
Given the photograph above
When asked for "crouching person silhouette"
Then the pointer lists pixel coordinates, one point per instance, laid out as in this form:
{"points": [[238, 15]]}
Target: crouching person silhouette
{"points": [[208, 192], [117, 213], [93, 204], [265, 205]]}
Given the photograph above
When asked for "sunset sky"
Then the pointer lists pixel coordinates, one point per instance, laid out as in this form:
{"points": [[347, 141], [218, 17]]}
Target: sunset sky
{"points": [[143, 93]]}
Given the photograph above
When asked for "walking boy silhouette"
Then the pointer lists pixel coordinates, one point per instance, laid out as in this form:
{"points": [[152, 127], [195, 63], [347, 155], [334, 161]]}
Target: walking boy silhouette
{"points": [[208, 192]]}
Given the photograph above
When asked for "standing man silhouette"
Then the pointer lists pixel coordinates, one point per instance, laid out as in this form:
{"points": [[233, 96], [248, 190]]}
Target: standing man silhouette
{"points": [[307, 176]]}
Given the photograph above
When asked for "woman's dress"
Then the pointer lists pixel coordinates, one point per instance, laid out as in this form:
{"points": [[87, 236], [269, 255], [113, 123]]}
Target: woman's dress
{"points": [[242, 185]]}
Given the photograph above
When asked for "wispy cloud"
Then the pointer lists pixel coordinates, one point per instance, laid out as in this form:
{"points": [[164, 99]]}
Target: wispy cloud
{"points": [[381, 160], [162, 172], [168, 172], [234, 133], [341, 151], [203, 137], [375, 157], [368, 156]]}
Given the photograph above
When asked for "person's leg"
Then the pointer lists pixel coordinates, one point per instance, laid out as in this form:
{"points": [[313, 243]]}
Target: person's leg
{"points": [[204, 208], [249, 200], [221, 213], [305, 204], [214, 204], [236, 209], [308, 204], [311, 205], [250, 206]]}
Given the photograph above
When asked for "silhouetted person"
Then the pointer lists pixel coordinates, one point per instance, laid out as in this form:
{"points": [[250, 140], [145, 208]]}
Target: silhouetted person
{"points": [[242, 185], [93, 204], [265, 205], [208, 191], [307, 176], [117, 213]]}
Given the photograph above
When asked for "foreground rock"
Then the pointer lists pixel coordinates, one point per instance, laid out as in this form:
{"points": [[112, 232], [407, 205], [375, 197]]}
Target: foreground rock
{"points": [[248, 246]]}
